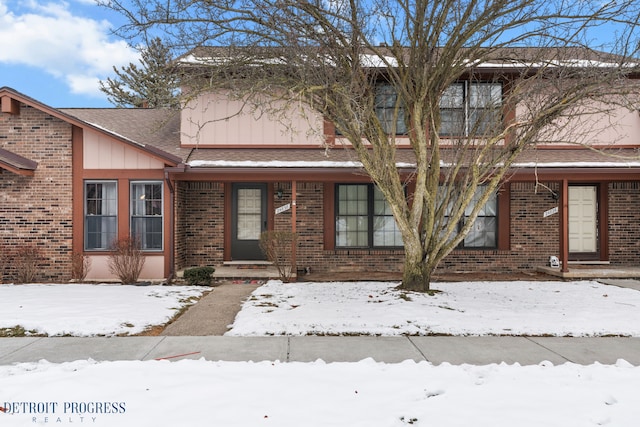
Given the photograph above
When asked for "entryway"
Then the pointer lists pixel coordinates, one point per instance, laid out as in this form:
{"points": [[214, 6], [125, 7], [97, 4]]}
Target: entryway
{"points": [[583, 222], [249, 220]]}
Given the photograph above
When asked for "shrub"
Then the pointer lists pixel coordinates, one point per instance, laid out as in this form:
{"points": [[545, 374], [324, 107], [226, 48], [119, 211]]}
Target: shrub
{"points": [[25, 260], [199, 276], [80, 265], [277, 246], [126, 260]]}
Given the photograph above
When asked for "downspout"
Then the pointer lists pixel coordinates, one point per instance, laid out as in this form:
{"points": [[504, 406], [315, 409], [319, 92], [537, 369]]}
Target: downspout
{"points": [[294, 219], [564, 226], [171, 226]]}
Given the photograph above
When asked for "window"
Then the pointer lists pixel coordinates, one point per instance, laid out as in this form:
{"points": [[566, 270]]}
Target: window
{"points": [[470, 108], [484, 232], [100, 214], [146, 214], [364, 218], [386, 100]]}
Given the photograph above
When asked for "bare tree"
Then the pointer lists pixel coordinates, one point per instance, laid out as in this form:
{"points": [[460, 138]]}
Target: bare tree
{"points": [[433, 76], [153, 83]]}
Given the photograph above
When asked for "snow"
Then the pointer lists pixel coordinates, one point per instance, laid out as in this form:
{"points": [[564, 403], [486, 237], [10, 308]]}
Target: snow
{"points": [[86, 310], [201, 393], [318, 394], [353, 164], [580, 308]]}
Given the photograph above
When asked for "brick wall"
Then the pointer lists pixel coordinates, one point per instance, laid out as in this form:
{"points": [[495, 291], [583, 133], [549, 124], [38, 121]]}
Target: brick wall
{"points": [[199, 224], [533, 238], [37, 210], [624, 223]]}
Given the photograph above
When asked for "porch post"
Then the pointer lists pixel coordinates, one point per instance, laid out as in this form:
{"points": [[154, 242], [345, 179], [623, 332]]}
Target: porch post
{"points": [[564, 226], [294, 245]]}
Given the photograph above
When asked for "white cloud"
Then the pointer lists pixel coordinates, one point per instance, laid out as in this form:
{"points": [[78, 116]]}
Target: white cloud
{"points": [[78, 50]]}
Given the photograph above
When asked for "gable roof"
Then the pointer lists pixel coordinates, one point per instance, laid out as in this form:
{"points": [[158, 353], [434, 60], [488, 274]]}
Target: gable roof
{"points": [[140, 132], [158, 130]]}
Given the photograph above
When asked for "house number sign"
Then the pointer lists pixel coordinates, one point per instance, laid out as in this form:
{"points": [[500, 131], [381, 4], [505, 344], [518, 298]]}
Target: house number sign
{"points": [[550, 212], [283, 208]]}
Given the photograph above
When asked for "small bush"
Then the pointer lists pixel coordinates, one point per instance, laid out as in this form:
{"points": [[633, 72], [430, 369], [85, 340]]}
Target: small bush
{"points": [[277, 247], [126, 260], [199, 276], [80, 265], [25, 260]]}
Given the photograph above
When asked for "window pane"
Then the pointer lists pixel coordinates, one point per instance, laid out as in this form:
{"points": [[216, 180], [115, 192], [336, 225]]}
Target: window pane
{"points": [[453, 96], [485, 95], [483, 233], [452, 122], [146, 214], [385, 105], [351, 218], [100, 215]]}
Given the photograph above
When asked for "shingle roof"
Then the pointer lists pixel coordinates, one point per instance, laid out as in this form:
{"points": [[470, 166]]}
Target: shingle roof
{"points": [[16, 163], [319, 157], [146, 127]]}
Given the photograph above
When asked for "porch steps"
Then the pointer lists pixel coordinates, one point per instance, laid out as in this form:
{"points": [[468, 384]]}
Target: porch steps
{"points": [[243, 271], [593, 271]]}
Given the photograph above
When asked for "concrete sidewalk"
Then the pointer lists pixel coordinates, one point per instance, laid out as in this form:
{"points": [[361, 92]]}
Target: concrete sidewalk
{"points": [[434, 349]]}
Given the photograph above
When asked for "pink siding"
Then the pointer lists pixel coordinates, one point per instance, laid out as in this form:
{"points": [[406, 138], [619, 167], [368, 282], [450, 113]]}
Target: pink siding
{"points": [[218, 120], [99, 271], [594, 125], [102, 152]]}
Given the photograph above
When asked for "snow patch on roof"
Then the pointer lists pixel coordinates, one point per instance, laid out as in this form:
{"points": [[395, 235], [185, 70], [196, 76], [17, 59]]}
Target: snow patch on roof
{"points": [[282, 164]]}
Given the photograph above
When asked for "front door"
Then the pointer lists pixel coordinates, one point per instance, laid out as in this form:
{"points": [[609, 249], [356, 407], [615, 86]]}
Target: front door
{"points": [[249, 220], [583, 221]]}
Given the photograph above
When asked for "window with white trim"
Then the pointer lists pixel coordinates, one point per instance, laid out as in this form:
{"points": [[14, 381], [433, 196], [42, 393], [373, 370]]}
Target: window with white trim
{"points": [[100, 214], [147, 214], [364, 218]]}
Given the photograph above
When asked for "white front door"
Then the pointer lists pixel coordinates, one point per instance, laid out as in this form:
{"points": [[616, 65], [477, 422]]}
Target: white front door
{"points": [[583, 224]]}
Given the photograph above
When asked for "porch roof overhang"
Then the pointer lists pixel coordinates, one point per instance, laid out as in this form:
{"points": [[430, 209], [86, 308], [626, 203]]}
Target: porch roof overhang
{"points": [[16, 163], [319, 164]]}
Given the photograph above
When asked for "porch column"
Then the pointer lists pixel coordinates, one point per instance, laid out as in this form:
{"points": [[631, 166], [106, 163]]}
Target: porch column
{"points": [[564, 226], [294, 248]]}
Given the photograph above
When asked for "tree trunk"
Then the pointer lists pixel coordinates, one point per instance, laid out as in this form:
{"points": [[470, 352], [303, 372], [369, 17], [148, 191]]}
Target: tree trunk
{"points": [[417, 274]]}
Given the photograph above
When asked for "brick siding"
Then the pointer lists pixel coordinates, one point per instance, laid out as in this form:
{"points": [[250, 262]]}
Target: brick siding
{"points": [[199, 224], [624, 223], [533, 238], [37, 209]]}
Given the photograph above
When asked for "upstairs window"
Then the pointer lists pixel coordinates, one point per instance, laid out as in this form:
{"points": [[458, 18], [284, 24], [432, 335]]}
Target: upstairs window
{"points": [[470, 108], [466, 109], [146, 214], [392, 120], [364, 218], [100, 214]]}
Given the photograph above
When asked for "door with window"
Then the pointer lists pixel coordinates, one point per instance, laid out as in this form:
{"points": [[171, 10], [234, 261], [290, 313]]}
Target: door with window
{"points": [[583, 221], [249, 220]]}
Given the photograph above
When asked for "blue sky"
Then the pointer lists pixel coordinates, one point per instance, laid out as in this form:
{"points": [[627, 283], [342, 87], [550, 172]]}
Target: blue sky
{"points": [[57, 51]]}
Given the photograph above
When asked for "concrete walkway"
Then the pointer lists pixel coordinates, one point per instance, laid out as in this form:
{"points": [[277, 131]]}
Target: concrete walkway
{"points": [[213, 314], [437, 349]]}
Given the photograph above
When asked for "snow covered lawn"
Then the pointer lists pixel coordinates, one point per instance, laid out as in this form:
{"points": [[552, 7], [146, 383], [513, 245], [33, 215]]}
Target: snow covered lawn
{"points": [[580, 308], [198, 393], [85, 310]]}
